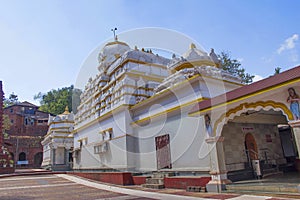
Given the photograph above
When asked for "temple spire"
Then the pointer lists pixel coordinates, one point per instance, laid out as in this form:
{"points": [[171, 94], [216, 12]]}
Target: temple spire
{"points": [[66, 111]]}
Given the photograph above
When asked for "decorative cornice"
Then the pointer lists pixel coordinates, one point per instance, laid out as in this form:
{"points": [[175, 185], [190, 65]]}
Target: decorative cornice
{"points": [[248, 106]]}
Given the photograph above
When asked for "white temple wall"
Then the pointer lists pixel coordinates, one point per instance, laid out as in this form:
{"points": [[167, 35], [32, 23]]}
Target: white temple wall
{"points": [[115, 156], [61, 125], [46, 155], [60, 155], [213, 87], [187, 143]]}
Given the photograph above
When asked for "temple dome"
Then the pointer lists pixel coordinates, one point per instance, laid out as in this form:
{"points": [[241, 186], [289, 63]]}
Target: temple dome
{"points": [[194, 57], [110, 52], [195, 54]]}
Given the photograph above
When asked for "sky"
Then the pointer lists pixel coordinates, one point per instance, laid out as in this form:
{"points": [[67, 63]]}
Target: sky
{"points": [[43, 44]]}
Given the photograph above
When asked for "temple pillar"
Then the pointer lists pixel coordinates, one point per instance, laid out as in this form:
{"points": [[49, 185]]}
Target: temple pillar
{"points": [[295, 125], [218, 170], [53, 156]]}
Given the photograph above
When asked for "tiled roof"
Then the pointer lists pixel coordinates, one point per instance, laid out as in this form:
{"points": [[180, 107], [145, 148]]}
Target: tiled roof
{"points": [[278, 79]]}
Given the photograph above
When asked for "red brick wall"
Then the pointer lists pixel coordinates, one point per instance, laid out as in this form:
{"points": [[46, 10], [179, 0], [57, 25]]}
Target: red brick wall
{"points": [[183, 182], [7, 170], [1, 114], [118, 178], [25, 138], [139, 180]]}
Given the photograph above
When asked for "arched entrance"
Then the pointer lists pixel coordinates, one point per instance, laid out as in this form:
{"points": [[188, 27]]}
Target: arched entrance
{"points": [[38, 158], [251, 147], [254, 144], [22, 156]]}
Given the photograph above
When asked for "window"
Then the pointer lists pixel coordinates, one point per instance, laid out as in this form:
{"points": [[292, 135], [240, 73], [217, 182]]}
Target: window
{"points": [[29, 111], [12, 121], [11, 110], [101, 148], [107, 134]]}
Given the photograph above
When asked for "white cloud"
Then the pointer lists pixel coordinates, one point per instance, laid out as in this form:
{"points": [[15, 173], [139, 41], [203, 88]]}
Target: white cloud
{"points": [[257, 78], [289, 43]]}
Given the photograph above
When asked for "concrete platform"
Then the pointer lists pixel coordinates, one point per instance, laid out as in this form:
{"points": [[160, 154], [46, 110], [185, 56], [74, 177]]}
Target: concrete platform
{"points": [[39, 180], [280, 183]]}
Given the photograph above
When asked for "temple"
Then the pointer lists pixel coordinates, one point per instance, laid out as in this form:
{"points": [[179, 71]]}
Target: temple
{"points": [[58, 142], [184, 116]]}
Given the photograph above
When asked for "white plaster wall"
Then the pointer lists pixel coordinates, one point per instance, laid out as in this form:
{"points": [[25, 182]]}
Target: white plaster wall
{"points": [[61, 125], [46, 154], [60, 156], [211, 87], [187, 143], [116, 155]]}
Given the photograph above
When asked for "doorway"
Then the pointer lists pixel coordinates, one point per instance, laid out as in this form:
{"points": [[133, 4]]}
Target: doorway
{"points": [[163, 154], [251, 147]]}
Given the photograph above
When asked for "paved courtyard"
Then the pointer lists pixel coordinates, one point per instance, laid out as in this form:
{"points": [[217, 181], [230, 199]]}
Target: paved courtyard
{"points": [[53, 187], [64, 187]]}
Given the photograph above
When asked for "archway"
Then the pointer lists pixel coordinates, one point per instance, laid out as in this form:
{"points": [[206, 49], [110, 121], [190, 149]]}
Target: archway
{"points": [[38, 159], [250, 108], [22, 156], [254, 134]]}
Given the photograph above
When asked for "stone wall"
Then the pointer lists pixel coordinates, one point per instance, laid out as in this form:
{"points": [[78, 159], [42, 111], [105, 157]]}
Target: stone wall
{"points": [[234, 143]]}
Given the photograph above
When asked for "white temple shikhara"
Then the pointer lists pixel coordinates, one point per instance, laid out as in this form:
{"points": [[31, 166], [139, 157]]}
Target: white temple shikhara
{"points": [[58, 143]]}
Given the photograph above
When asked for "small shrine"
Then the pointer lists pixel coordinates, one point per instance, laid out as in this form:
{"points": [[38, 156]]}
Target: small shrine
{"points": [[58, 143]]}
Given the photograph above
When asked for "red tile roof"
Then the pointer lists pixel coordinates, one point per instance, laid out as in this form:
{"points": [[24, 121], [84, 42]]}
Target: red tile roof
{"points": [[277, 79]]}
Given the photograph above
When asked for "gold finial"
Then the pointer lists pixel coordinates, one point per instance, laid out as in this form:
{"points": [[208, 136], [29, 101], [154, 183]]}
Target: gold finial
{"points": [[66, 111], [192, 46]]}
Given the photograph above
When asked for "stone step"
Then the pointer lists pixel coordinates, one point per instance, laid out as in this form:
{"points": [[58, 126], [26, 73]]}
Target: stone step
{"points": [[162, 174], [262, 188], [271, 173], [155, 181], [240, 175], [158, 175], [195, 189], [154, 186]]}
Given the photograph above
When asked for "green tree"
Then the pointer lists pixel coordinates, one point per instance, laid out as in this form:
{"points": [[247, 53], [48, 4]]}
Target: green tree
{"points": [[55, 101], [6, 125], [12, 99], [233, 66]]}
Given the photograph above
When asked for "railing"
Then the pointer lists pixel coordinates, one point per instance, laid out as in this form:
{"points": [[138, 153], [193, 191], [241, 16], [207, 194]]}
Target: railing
{"points": [[267, 158], [248, 153]]}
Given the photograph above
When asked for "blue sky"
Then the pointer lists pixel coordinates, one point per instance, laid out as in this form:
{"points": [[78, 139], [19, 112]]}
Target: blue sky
{"points": [[44, 43]]}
